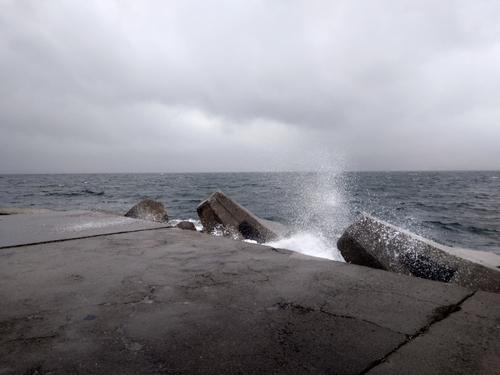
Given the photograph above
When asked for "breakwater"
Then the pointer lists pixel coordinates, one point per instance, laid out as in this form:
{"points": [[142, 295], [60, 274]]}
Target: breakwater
{"points": [[109, 294], [460, 209]]}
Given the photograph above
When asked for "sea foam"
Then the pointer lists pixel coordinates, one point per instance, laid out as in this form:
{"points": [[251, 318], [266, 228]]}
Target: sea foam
{"points": [[310, 244]]}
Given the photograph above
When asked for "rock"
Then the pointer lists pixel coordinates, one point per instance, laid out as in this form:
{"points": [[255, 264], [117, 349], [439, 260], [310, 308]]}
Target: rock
{"points": [[219, 212], [186, 225], [149, 209], [374, 243]]}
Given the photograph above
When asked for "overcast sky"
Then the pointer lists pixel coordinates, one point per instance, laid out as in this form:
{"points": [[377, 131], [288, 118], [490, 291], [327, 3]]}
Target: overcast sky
{"points": [[215, 86]]}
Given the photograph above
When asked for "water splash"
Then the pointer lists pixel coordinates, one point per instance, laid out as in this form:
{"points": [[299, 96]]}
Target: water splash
{"points": [[197, 223], [310, 244], [320, 207]]}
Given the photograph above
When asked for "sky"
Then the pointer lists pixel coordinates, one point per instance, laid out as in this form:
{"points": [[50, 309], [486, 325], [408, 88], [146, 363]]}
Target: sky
{"points": [[233, 86]]}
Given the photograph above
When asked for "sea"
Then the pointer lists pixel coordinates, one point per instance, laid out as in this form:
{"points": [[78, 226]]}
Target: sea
{"points": [[459, 209]]}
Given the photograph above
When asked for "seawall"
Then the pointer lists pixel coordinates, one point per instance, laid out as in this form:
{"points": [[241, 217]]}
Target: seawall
{"points": [[93, 293]]}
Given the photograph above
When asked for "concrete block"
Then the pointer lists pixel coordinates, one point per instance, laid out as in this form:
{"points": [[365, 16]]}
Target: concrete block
{"points": [[149, 209], [374, 243], [219, 212]]}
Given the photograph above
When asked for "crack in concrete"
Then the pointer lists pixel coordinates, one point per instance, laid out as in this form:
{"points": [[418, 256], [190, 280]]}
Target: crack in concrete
{"points": [[283, 305], [23, 339], [83, 237], [359, 319], [304, 309], [368, 289], [396, 294], [146, 299], [282, 251], [216, 272], [440, 314], [250, 269], [130, 345], [206, 285]]}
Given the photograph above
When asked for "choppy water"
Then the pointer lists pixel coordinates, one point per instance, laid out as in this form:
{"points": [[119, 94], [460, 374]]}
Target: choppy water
{"points": [[459, 209]]}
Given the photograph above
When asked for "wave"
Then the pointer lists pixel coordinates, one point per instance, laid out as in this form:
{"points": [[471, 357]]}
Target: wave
{"points": [[91, 192], [81, 193]]}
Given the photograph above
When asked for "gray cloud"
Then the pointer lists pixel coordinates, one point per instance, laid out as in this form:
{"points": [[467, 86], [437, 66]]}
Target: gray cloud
{"points": [[228, 85]]}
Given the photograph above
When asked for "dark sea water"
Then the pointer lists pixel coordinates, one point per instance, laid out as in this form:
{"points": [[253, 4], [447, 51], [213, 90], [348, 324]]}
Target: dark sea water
{"points": [[460, 209]]}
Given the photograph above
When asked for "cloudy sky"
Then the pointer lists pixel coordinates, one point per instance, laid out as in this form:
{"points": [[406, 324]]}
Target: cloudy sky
{"points": [[215, 86]]}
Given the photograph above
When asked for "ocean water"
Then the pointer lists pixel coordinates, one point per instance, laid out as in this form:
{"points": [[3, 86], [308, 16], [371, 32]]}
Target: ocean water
{"points": [[460, 209]]}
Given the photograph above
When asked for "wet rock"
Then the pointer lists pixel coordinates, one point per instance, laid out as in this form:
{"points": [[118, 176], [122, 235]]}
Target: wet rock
{"points": [[186, 225], [150, 210], [220, 213], [374, 243]]}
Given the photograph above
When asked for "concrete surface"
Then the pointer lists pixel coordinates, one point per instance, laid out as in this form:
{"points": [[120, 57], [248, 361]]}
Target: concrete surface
{"points": [[50, 226], [375, 243], [22, 210], [467, 342], [168, 301]]}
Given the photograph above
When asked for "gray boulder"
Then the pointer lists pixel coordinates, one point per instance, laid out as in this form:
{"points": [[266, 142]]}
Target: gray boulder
{"points": [[374, 243], [220, 213], [186, 225], [150, 210]]}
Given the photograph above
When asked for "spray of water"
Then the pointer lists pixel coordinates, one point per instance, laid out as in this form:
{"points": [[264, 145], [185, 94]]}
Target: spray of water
{"points": [[314, 200], [321, 208]]}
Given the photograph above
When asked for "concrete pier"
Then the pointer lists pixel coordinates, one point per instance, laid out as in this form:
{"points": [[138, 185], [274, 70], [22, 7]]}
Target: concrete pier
{"points": [[157, 300]]}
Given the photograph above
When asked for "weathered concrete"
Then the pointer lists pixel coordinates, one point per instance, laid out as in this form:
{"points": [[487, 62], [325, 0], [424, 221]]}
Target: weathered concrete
{"points": [[220, 213], [50, 226], [181, 302], [22, 210], [108, 212], [374, 243], [150, 210], [461, 344]]}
